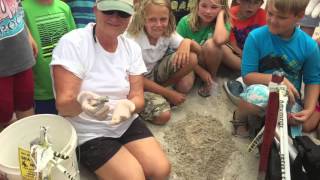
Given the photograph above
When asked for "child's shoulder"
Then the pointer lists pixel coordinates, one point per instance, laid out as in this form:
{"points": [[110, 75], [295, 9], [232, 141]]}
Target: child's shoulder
{"points": [[35, 4], [184, 20], [260, 31], [62, 4], [305, 39]]}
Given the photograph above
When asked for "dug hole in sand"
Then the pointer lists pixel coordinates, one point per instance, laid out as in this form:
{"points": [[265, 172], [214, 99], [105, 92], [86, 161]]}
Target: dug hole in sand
{"points": [[199, 143]]}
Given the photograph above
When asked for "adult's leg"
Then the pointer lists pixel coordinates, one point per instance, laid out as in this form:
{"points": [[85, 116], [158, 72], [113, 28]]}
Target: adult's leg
{"points": [[143, 146], [151, 157], [109, 159], [123, 165]]}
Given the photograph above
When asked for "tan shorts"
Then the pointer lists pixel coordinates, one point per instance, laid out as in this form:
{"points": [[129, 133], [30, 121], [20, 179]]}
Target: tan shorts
{"points": [[155, 104], [163, 70]]}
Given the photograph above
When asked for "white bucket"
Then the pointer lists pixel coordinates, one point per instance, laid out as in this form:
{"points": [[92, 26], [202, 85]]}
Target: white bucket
{"points": [[61, 135]]}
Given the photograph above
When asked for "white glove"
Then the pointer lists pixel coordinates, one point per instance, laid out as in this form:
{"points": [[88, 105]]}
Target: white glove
{"points": [[313, 8], [93, 105], [122, 111]]}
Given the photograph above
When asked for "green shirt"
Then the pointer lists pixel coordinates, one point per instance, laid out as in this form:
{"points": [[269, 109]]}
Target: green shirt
{"points": [[201, 36], [47, 24]]}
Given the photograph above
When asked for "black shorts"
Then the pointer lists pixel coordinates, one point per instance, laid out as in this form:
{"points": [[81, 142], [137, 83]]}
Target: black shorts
{"points": [[96, 152]]}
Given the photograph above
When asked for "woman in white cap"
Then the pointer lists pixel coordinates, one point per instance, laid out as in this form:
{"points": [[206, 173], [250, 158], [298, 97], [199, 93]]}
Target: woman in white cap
{"points": [[98, 81]]}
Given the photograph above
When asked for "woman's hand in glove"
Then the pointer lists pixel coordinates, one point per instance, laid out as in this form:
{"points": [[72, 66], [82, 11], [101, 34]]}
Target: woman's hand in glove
{"points": [[93, 105], [123, 111]]}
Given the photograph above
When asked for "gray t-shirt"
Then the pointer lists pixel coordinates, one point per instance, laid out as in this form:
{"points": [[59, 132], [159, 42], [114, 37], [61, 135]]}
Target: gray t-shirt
{"points": [[15, 51]]}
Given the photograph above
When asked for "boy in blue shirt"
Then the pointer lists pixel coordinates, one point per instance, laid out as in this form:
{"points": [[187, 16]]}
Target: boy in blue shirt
{"points": [[278, 46]]}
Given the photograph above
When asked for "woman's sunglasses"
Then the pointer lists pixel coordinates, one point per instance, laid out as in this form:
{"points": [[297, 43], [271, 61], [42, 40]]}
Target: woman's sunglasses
{"points": [[118, 13]]}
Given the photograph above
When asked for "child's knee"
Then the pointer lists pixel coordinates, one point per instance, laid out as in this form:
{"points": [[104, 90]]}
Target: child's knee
{"points": [[186, 83], [212, 47], [163, 118], [184, 87]]}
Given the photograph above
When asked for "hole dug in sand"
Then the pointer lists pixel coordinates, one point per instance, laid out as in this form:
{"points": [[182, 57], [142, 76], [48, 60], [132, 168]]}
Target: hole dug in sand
{"points": [[199, 148]]}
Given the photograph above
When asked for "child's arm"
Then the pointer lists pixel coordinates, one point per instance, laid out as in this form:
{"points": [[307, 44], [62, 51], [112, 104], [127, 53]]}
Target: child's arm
{"points": [[172, 96], [182, 56], [235, 48], [32, 43], [261, 78], [233, 44], [196, 48], [220, 35], [310, 101]]}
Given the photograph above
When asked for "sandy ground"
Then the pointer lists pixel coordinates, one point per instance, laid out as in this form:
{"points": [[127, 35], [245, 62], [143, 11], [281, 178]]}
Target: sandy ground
{"points": [[199, 143]]}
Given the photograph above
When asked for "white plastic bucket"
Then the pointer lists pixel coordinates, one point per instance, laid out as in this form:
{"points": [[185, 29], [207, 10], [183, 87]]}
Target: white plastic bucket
{"points": [[61, 135]]}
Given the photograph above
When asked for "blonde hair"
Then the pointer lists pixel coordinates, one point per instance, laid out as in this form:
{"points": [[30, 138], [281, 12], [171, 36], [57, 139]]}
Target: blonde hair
{"points": [[289, 6], [139, 18], [194, 21]]}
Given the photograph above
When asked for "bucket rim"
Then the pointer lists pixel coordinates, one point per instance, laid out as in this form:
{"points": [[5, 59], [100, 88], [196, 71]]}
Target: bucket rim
{"points": [[67, 149]]}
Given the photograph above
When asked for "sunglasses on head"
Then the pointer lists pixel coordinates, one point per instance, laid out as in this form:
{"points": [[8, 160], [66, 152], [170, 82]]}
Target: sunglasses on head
{"points": [[118, 13]]}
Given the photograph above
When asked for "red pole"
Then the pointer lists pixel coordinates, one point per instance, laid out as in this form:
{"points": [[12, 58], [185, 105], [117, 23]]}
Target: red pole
{"points": [[270, 124]]}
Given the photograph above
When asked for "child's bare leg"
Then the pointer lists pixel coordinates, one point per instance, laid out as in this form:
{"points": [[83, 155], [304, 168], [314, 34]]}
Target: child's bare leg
{"points": [[177, 76], [312, 123], [203, 74], [23, 114], [212, 56], [186, 83], [230, 59], [240, 117]]}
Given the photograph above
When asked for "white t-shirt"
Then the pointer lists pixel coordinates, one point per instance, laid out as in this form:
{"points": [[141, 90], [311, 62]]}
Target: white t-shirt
{"points": [[102, 72], [152, 54]]}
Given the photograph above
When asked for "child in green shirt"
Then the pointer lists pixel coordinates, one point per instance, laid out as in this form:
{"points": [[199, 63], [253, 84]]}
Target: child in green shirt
{"points": [[48, 21], [208, 25]]}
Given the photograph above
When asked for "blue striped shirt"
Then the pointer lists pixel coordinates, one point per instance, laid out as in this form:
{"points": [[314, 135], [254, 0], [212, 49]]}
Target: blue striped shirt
{"points": [[82, 11]]}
